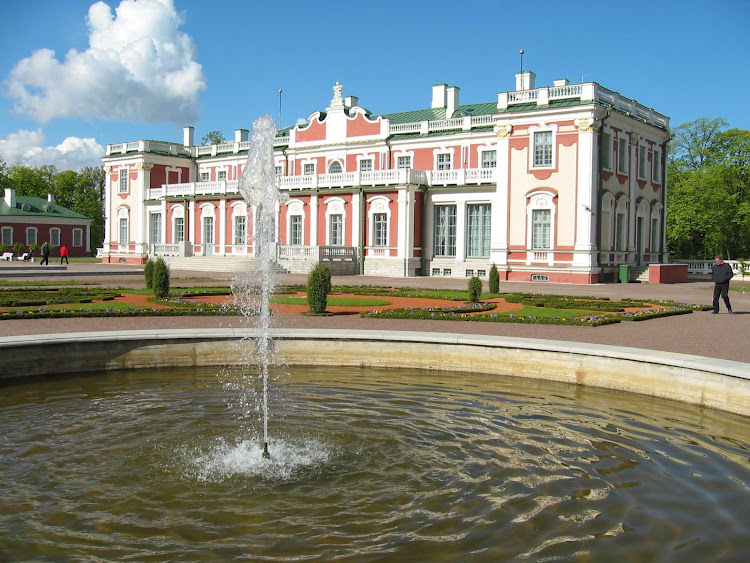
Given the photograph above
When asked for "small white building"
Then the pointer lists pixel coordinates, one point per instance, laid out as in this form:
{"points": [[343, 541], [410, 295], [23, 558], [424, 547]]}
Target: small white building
{"points": [[561, 183]]}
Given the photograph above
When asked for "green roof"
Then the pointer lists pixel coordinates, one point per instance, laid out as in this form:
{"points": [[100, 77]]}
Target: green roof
{"points": [[414, 116], [37, 207]]}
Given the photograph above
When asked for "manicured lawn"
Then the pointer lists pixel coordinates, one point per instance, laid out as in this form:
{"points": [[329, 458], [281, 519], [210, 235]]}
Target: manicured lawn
{"points": [[332, 301], [543, 312]]}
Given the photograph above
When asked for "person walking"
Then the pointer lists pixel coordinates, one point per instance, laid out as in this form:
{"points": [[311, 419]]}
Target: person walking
{"points": [[721, 273], [64, 254], [45, 254]]}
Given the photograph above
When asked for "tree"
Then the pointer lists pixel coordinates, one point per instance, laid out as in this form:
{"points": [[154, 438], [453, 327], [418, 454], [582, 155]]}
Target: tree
{"points": [[694, 143], [28, 181], [213, 138]]}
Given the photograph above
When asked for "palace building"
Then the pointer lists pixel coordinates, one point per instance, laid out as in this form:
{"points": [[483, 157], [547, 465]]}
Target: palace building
{"points": [[559, 183]]}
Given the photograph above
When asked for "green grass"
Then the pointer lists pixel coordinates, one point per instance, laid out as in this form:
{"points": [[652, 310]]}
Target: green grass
{"points": [[8, 283], [333, 301], [549, 313], [71, 307]]}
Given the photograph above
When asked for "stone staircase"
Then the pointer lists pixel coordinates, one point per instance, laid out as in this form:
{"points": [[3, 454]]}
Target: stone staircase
{"points": [[231, 264], [638, 274]]}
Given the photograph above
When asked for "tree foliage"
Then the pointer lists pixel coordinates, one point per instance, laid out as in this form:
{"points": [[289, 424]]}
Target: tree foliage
{"points": [[708, 196], [213, 138], [82, 191]]}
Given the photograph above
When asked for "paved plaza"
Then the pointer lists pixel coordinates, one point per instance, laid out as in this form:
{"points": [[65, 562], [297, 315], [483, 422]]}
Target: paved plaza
{"points": [[701, 333]]}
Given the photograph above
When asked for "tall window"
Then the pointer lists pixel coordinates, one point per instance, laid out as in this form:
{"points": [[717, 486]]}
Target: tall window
{"points": [[179, 229], [336, 230], [445, 230], [444, 161], [478, 229], [240, 229], [622, 156], [123, 238], [607, 151], [657, 166], [403, 162], [54, 237], [365, 165], [489, 159], [8, 235], [156, 228], [295, 230], [335, 167], [642, 154], [77, 237], [31, 235], [620, 232], [380, 228], [222, 175], [541, 234], [543, 148], [123, 181], [308, 169]]}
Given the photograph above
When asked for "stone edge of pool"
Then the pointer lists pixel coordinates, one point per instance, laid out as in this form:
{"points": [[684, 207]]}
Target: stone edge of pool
{"points": [[698, 380]]}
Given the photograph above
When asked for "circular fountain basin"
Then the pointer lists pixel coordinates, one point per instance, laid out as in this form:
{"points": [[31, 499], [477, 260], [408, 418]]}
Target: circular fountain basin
{"points": [[366, 463]]}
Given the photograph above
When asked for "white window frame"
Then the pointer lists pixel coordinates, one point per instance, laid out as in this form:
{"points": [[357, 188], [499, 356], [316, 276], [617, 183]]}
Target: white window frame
{"points": [[365, 164], [447, 239], [221, 175], [294, 208], [7, 236], [335, 206], [444, 160], [492, 162], [623, 164], [532, 147], [404, 159], [621, 210], [539, 200], [154, 227], [32, 239], [54, 236], [657, 167], [642, 162], [178, 212], [308, 168], [239, 230], [485, 230], [335, 163], [656, 234], [541, 239], [379, 205], [278, 170], [205, 176], [607, 212], [123, 226], [77, 237], [124, 180]]}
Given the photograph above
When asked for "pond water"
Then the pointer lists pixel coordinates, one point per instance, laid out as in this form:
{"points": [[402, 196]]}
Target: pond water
{"points": [[365, 464]]}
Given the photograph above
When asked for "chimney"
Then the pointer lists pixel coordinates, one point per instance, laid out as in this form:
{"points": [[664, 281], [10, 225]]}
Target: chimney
{"points": [[187, 136], [50, 198], [438, 96], [525, 80], [10, 197], [451, 106], [240, 135], [351, 101], [560, 82]]}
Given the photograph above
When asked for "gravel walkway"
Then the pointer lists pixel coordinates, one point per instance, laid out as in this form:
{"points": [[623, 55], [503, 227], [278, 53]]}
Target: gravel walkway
{"points": [[717, 336]]}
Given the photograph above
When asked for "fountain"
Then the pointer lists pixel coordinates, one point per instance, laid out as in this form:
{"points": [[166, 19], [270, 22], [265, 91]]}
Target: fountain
{"points": [[258, 185]]}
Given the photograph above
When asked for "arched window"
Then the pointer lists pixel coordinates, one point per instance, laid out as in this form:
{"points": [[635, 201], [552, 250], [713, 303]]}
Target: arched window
{"points": [[335, 167]]}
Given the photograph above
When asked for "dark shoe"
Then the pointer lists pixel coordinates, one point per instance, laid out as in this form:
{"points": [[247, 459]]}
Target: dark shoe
{"points": [[714, 312]]}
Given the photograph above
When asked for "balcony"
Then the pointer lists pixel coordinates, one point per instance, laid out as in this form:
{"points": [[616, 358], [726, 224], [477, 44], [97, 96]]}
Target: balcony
{"points": [[399, 177]]}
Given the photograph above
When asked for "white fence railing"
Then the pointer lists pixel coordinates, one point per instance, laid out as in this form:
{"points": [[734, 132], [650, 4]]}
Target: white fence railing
{"points": [[704, 266]]}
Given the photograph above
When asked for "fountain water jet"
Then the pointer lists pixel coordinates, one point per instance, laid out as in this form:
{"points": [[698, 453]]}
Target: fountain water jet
{"points": [[258, 186]]}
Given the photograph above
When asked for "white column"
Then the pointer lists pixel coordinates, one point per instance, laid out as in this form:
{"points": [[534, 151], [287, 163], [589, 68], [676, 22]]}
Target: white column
{"points": [[314, 220], [139, 230], [405, 223], [632, 208], [163, 221], [108, 212], [353, 219], [500, 207], [588, 157], [461, 230], [223, 226], [190, 234]]}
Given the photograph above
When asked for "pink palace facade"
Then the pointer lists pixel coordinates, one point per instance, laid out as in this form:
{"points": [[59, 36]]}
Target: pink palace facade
{"points": [[561, 183]]}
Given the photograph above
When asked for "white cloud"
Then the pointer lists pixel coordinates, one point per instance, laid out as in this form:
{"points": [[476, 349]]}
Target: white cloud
{"points": [[138, 67], [27, 148]]}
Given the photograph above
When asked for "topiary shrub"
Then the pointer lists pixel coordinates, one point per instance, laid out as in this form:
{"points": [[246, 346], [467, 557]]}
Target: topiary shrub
{"points": [[318, 288], [160, 279], [18, 247], [475, 289], [148, 274], [494, 280]]}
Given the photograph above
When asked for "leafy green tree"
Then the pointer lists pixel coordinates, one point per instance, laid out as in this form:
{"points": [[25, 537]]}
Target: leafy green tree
{"points": [[694, 143], [318, 288], [213, 138], [475, 289], [494, 281], [28, 181], [160, 279]]}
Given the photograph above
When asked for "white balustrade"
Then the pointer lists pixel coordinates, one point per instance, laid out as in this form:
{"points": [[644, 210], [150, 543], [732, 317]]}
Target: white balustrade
{"points": [[405, 128], [291, 251], [443, 124], [569, 91]]}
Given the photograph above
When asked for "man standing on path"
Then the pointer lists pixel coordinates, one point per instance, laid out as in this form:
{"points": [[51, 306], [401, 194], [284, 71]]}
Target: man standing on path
{"points": [[45, 254], [721, 273]]}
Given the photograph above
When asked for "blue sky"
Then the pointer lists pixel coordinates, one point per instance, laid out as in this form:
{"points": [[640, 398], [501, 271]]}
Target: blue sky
{"points": [[77, 75]]}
